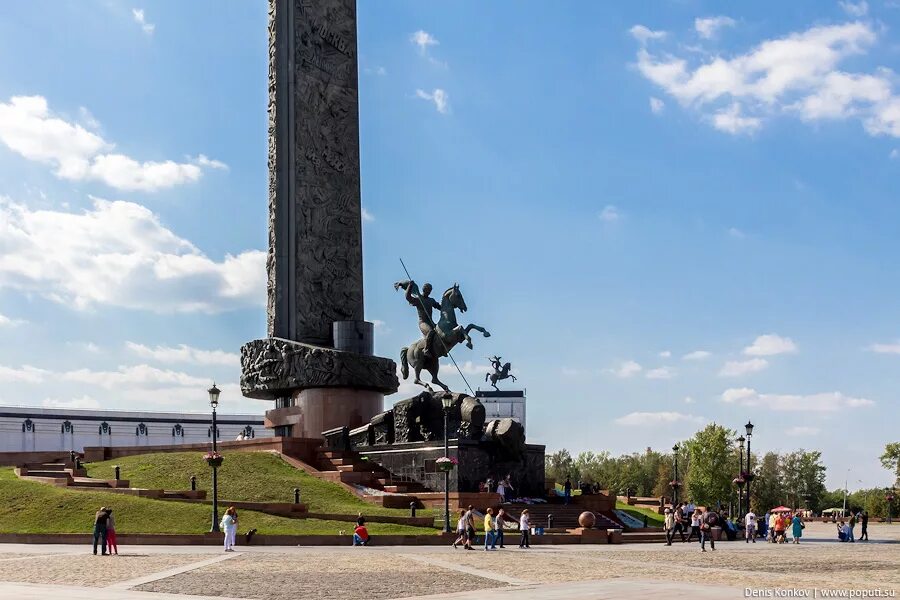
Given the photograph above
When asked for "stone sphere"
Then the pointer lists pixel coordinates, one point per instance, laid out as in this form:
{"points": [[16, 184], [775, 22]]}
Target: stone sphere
{"points": [[587, 519]]}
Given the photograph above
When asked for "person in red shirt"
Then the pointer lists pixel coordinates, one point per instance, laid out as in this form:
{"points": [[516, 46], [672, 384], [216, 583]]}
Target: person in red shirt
{"points": [[360, 534]]}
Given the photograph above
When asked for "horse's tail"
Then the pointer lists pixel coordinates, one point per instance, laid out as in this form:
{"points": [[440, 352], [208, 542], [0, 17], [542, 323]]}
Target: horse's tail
{"points": [[487, 376], [404, 363]]}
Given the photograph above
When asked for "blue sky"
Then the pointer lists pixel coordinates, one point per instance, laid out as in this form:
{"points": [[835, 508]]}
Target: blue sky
{"points": [[665, 214]]}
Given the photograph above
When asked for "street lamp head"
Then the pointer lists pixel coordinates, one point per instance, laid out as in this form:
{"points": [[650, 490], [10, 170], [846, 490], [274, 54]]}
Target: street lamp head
{"points": [[214, 396], [675, 448], [749, 428], [741, 440], [447, 401]]}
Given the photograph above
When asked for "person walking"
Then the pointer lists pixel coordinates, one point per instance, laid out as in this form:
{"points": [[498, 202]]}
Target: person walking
{"points": [[567, 489], [461, 530], [797, 527], [500, 523], [773, 519], [708, 520], [111, 544], [525, 529], [489, 529], [852, 524], [696, 518], [669, 524], [470, 528], [750, 527], [101, 518], [229, 527], [864, 523]]}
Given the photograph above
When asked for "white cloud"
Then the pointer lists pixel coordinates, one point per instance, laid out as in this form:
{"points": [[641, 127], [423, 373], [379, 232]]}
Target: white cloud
{"points": [[137, 375], [140, 19], [380, 326], [644, 34], [894, 153], [656, 105], [656, 418], [822, 402], [570, 372], [731, 120], [609, 214], [24, 374], [184, 354], [689, 400], [665, 354], [205, 161], [627, 369], [855, 9], [423, 40], [736, 233], [879, 348], [87, 119], [770, 344], [734, 368], [795, 75], [800, 430], [367, 216], [29, 128], [119, 254], [439, 97], [660, 373], [697, 355], [707, 27], [82, 402]]}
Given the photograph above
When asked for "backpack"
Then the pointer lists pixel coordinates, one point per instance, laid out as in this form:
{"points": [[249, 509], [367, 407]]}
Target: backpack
{"points": [[712, 518]]}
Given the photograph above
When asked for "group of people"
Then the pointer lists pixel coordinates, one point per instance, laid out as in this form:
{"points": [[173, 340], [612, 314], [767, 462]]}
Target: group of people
{"points": [[700, 520], [504, 487], [494, 528], [845, 529], [105, 532]]}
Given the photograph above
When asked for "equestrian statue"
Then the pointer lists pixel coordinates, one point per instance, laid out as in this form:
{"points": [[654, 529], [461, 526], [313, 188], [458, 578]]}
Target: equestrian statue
{"points": [[501, 371], [437, 339]]}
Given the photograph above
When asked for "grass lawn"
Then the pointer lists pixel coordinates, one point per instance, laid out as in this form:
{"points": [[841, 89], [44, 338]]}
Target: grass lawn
{"points": [[653, 519], [30, 507], [244, 476]]}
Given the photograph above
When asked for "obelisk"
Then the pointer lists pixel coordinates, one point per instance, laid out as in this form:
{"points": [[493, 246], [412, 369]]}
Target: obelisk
{"points": [[316, 362]]}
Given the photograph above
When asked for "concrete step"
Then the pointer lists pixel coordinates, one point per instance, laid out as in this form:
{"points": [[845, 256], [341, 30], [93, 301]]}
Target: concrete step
{"points": [[358, 467], [94, 483], [46, 466], [48, 474]]}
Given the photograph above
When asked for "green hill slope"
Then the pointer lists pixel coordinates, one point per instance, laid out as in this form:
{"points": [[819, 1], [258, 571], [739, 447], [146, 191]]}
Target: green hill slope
{"points": [[30, 507], [244, 476]]}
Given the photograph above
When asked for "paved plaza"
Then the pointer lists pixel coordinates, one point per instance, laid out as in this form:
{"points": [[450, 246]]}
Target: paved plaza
{"points": [[563, 572]]}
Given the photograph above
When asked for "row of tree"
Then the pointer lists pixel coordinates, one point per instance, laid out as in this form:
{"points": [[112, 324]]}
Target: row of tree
{"points": [[708, 463]]}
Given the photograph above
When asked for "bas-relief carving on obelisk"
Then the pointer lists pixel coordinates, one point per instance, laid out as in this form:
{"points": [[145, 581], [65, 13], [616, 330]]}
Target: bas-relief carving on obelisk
{"points": [[316, 362]]}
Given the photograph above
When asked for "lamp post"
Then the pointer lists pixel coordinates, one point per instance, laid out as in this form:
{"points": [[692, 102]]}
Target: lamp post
{"points": [[741, 482], [889, 497], [749, 429], [214, 403], [675, 478], [844, 510], [447, 401]]}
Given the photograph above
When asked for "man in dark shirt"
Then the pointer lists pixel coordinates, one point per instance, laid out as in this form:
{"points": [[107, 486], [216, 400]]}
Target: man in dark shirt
{"points": [[567, 489], [708, 520], [864, 519], [100, 520]]}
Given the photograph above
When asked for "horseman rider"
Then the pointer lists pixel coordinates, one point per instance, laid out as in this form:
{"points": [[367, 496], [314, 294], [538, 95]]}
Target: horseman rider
{"points": [[495, 362], [424, 304]]}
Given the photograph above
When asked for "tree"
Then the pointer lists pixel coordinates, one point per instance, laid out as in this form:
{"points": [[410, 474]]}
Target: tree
{"points": [[559, 465], [711, 453], [804, 478], [890, 460], [766, 489], [664, 475]]}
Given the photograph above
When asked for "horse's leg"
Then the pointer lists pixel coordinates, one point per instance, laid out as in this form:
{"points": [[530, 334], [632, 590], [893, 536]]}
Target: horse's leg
{"points": [[433, 369], [472, 326]]}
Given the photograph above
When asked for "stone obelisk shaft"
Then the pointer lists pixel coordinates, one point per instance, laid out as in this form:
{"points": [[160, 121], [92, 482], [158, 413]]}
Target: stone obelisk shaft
{"points": [[315, 240]]}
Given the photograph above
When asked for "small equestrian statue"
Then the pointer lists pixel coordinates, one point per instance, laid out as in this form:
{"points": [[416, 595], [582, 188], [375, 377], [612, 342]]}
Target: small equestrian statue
{"points": [[500, 372], [437, 339]]}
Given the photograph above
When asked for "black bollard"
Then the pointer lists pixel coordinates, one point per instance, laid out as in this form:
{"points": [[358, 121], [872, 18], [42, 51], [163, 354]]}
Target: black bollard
{"points": [[296, 495], [412, 509], [193, 483], [117, 472], [72, 456], [549, 521]]}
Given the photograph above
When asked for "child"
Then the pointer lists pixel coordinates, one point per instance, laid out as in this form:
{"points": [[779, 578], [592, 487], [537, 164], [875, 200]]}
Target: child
{"points": [[361, 534], [525, 529], [461, 530], [111, 533]]}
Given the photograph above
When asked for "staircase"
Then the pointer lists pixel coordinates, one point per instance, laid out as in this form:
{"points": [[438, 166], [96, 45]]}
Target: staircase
{"points": [[349, 468]]}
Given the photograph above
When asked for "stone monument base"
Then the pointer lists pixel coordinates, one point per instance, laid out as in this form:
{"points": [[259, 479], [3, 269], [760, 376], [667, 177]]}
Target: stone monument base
{"points": [[316, 410]]}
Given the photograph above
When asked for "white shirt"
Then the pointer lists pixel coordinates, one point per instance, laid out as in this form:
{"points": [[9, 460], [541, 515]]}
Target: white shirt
{"points": [[501, 490], [695, 520], [750, 520], [523, 523]]}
